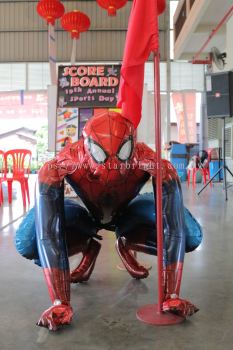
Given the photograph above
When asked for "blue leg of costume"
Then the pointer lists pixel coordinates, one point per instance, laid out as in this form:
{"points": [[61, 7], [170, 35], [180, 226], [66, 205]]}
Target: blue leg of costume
{"points": [[80, 228], [137, 226]]}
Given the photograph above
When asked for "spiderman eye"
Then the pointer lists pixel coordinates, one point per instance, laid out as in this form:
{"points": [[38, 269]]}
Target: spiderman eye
{"points": [[97, 152], [125, 150]]}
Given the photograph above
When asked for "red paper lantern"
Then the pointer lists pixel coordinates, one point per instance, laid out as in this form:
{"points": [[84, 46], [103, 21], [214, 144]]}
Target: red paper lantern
{"points": [[111, 5], [75, 22], [161, 4], [50, 10]]}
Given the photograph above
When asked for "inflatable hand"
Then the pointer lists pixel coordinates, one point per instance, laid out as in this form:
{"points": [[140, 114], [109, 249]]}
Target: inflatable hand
{"points": [[56, 316], [180, 307]]}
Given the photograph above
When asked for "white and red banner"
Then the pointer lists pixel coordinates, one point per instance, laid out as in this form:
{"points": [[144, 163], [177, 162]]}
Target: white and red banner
{"points": [[23, 105], [185, 108]]}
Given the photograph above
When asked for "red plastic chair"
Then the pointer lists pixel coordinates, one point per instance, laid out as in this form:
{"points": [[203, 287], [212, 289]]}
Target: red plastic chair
{"points": [[205, 172], [199, 166], [2, 175], [18, 161]]}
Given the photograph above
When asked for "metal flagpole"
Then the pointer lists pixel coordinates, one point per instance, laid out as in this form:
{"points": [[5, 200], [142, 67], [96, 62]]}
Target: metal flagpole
{"points": [[153, 313], [159, 195]]}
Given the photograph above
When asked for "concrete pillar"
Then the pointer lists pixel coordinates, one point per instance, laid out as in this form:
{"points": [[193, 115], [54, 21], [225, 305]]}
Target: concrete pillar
{"points": [[203, 123]]}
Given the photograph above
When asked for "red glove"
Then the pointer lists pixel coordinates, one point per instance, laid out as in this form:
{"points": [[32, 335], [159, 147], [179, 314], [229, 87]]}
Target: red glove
{"points": [[56, 316], [180, 307]]}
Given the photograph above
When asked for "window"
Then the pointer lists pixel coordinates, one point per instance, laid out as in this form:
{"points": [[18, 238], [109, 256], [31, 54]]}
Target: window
{"points": [[13, 76], [38, 76], [187, 76]]}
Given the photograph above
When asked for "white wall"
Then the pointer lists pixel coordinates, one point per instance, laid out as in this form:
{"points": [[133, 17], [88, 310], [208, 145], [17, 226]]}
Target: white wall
{"points": [[229, 44]]}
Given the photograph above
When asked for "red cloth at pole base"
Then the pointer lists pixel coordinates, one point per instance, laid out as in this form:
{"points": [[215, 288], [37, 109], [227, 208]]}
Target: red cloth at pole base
{"points": [[142, 39]]}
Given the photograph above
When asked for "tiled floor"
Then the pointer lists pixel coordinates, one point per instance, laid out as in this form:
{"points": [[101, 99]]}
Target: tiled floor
{"points": [[105, 307]]}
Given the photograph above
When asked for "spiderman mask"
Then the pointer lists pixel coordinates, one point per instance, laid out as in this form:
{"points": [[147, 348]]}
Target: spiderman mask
{"points": [[109, 142]]}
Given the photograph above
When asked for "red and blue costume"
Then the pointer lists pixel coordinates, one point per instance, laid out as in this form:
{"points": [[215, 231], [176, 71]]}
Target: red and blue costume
{"points": [[107, 169]]}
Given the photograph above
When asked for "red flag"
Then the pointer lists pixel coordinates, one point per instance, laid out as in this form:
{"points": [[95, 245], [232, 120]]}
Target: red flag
{"points": [[142, 38]]}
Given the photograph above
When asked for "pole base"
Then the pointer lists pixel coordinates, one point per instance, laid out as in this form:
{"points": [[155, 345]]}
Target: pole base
{"points": [[150, 314]]}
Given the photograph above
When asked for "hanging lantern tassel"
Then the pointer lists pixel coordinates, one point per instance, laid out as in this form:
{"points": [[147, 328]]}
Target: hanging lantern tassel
{"points": [[75, 22], [51, 10], [111, 5]]}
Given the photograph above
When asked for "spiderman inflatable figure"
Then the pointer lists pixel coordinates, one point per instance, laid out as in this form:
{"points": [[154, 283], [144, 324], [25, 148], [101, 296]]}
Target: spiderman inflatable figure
{"points": [[107, 169]]}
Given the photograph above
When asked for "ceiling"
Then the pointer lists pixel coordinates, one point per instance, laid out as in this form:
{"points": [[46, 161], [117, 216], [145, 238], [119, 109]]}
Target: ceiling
{"points": [[24, 35], [203, 18]]}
